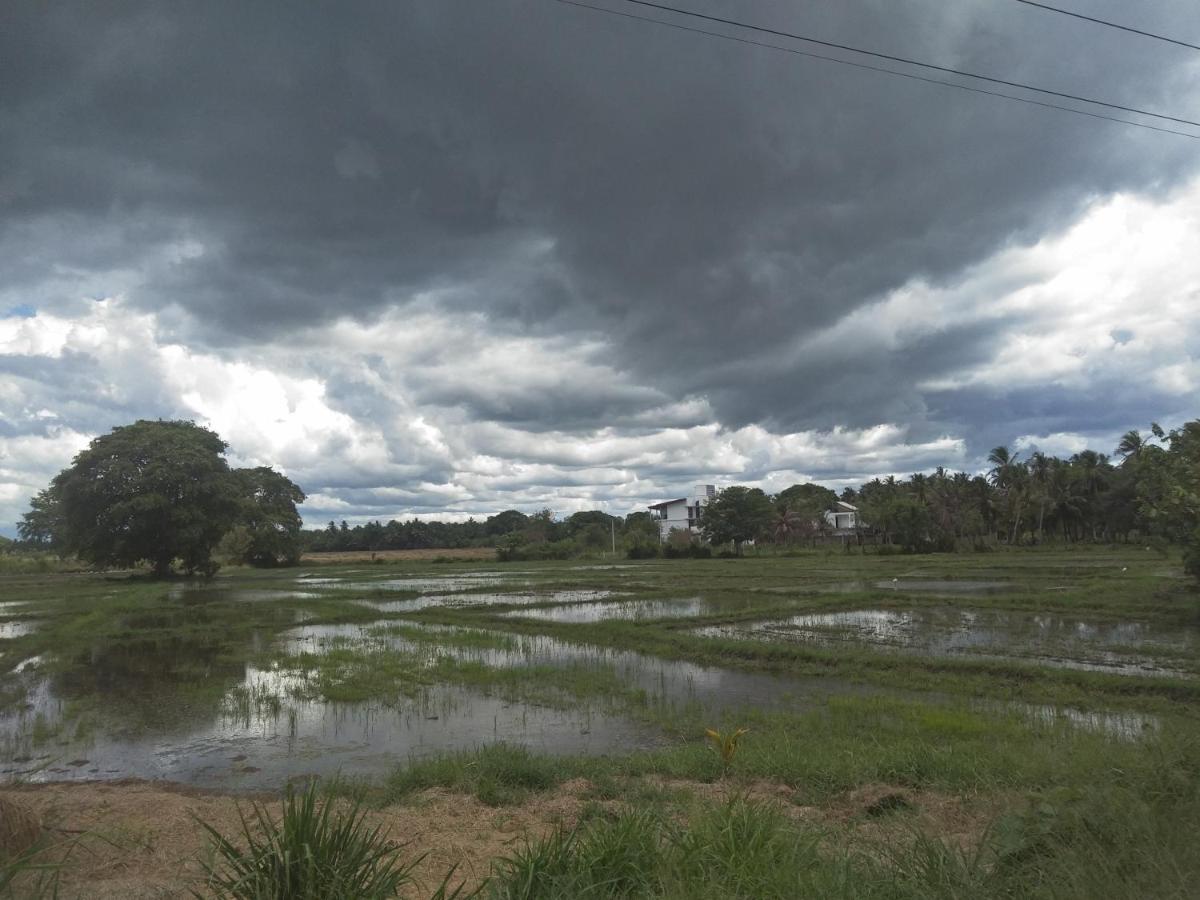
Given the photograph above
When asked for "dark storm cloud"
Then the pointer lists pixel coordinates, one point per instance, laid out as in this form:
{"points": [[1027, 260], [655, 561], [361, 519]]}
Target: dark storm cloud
{"points": [[262, 169]]}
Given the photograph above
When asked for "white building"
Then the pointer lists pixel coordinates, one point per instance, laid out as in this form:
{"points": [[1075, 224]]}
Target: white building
{"points": [[843, 516], [683, 513]]}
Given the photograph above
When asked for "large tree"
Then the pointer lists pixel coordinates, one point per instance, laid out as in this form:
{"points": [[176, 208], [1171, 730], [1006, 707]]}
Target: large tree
{"points": [[268, 529], [737, 514], [155, 492], [800, 510]]}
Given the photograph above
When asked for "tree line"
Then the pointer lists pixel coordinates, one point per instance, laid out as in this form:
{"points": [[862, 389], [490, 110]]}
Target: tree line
{"points": [[1149, 489], [541, 533], [161, 493]]}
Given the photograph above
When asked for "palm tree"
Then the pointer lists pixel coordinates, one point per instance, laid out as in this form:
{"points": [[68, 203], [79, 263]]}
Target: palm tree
{"points": [[1040, 466], [1002, 462], [1132, 444], [786, 521]]}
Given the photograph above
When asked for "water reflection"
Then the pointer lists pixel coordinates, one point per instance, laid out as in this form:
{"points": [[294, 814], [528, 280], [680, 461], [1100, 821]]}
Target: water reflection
{"points": [[485, 599], [629, 609], [1057, 640]]}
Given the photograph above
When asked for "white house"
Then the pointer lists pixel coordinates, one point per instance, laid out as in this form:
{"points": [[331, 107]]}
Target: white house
{"points": [[843, 516], [683, 513]]}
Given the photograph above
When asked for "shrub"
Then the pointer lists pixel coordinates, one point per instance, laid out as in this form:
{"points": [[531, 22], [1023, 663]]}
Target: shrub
{"points": [[642, 551], [314, 852]]}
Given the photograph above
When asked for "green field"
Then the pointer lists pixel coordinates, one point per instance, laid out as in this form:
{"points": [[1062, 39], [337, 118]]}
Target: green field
{"points": [[1051, 697]]}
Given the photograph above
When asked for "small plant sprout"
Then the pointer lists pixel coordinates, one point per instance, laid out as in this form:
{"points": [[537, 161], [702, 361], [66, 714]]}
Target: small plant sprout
{"points": [[726, 744]]}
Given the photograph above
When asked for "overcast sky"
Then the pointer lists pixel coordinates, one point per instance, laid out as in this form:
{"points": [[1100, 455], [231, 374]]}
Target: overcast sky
{"points": [[447, 257]]}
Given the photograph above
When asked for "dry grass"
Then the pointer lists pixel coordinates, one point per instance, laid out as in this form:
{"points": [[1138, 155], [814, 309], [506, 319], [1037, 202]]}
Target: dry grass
{"points": [[20, 828], [141, 839]]}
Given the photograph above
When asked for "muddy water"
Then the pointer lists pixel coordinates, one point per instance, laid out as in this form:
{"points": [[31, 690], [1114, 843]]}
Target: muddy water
{"points": [[664, 682], [1117, 646], [443, 584], [629, 609], [672, 683], [262, 735], [15, 629], [191, 594], [266, 747], [485, 599]]}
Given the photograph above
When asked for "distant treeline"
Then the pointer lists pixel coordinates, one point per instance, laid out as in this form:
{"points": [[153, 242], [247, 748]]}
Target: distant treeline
{"points": [[592, 530], [1149, 489]]}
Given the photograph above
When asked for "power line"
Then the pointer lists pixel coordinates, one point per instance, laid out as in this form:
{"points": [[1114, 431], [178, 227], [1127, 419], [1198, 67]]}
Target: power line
{"points": [[910, 62], [1149, 34], [880, 69]]}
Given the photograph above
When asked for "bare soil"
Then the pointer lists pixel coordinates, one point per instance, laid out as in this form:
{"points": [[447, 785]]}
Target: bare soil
{"points": [[139, 839]]}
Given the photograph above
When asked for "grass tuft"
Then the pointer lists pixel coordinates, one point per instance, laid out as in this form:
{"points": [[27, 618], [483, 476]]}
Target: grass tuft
{"points": [[313, 852]]}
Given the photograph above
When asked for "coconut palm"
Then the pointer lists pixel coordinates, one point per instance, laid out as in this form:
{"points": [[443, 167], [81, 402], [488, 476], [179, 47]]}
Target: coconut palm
{"points": [[1131, 446], [787, 522], [1040, 467]]}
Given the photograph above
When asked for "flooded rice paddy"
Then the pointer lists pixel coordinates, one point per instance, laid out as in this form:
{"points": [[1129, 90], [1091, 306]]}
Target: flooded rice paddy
{"points": [[460, 600], [1126, 647], [247, 683], [628, 609]]}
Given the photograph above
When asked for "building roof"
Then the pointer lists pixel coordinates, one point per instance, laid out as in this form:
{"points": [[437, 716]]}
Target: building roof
{"points": [[667, 503], [843, 506]]}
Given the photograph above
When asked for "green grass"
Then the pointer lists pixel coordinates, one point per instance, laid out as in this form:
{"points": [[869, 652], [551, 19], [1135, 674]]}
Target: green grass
{"points": [[312, 852], [1071, 847], [1089, 813]]}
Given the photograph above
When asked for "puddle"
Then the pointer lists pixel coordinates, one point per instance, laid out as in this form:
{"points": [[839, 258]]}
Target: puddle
{"points": [[1127, 725], [183, 708], [484, 599], [190, 595], [677, 683], [445, 584], [628, 609], [15, 629], [664, 681], [266, 749], [1054, 640]]}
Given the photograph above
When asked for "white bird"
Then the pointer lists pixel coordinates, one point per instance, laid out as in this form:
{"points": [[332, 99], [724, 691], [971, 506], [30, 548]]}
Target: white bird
{"points": [[1124, 568]]}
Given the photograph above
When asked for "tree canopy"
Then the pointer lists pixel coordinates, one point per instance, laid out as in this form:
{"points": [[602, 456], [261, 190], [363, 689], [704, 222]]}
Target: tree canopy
{"points": [[161, 491], [737, 514]]}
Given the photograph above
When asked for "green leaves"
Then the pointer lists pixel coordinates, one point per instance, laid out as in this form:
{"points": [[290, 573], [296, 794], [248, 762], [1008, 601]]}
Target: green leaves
{"points": [[313, 852], [159, 492], [737, 514]]}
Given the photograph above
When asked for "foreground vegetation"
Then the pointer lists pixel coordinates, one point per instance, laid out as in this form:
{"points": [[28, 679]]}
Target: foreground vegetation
{"points": [[1063, 781]]}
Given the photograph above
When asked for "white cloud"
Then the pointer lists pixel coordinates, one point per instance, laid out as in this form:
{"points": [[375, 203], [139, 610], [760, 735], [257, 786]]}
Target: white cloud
{"points": [[437, 414], [1063, 444], [1118, 293]]}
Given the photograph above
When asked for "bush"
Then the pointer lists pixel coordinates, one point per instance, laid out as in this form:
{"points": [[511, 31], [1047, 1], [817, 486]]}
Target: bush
{"points": [[312, 853], [690, 551], [642, 551], [521, 552]]}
